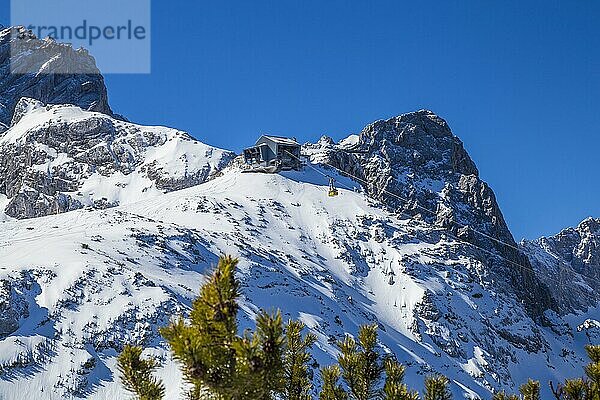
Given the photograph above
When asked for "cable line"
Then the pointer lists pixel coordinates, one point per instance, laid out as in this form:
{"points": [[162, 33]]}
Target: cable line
{"points": [[449, 234]]}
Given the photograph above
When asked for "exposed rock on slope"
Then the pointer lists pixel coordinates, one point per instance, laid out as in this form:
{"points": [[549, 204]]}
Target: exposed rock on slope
{"points": [[416, 157], [37, 61], [60, 158], [13, 304], [572, 259]]}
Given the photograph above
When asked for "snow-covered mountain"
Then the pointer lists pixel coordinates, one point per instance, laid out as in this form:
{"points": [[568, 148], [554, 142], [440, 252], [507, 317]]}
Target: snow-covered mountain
{"points": [[415, 165], [572, 258], [29, 66], [78, 285], [60, 158], [111, 227], [62, 147]]}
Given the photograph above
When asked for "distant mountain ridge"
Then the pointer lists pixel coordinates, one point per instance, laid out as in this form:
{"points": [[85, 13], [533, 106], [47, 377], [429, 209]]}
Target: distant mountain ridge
{"points": [[571, 258]]}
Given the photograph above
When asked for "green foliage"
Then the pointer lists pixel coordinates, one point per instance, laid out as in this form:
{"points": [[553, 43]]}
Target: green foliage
{"points": [[331, 389], [530, 390], [136, 374], [361, 364], [592, 371], [503, 396], [394, 387], [575, 389], [436, 388], [593, 353], [298, 377], [205, 347], [587, 388], [260, 371], [215, 360], [272, 362], [362, 369]]}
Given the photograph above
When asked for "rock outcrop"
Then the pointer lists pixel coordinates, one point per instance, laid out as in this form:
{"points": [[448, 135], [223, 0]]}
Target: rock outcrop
{"points": [[13, 303], [60, 158], [51, 72], [569, 262]]}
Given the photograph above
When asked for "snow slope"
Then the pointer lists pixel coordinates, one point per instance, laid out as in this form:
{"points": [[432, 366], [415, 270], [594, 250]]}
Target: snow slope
{"points": [[89, 281]]}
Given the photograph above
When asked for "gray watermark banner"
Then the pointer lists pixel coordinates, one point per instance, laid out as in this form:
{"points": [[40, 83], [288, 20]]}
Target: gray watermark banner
{"points": [[66, 36]]}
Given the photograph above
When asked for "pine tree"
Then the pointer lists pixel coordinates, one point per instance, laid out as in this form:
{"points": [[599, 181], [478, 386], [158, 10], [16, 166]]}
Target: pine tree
{"points": [[360, 362], [394, 387], [269, 333], [205, 347], [530, 390], [503, 396], [260, 359], [136, 374], [575, 389], [592, 371], [272, 362], [331, 389], [295, 360], [587, 388], [436, 388], [219, 363], [362, 368]]}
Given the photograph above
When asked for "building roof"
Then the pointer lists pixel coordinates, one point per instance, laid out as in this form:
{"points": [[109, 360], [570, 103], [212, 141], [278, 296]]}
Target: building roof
{"points": [[281, 140]]}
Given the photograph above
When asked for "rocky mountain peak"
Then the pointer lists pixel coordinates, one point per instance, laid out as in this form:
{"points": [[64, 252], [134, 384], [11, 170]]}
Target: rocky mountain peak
{"points": [[420, 139], [48, 71], [417, 167], [61, 146], [25, 106], [579, 246], [590, 226]]}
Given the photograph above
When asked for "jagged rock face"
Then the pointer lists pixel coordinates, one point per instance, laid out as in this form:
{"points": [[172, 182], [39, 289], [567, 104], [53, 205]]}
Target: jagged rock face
{"points": [[580, 247], [9, 314], [21, 51], [13, 303], [416, 157], [570, 263], [55, 159]]}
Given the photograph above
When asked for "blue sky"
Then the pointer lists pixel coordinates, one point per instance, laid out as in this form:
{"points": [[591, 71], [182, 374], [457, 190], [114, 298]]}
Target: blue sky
{"points": [[518, 82]]}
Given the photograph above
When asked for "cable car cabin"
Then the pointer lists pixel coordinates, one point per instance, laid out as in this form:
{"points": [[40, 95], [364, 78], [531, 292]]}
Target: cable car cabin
{"points": [[332, 189], [273, 154]]}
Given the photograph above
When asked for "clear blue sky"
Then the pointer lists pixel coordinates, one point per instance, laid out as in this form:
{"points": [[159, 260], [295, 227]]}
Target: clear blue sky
{"points": [[518, 82]]}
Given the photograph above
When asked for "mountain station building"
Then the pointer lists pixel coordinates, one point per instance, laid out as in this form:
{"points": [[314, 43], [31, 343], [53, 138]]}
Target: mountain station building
{"points": [[273, 154]]}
